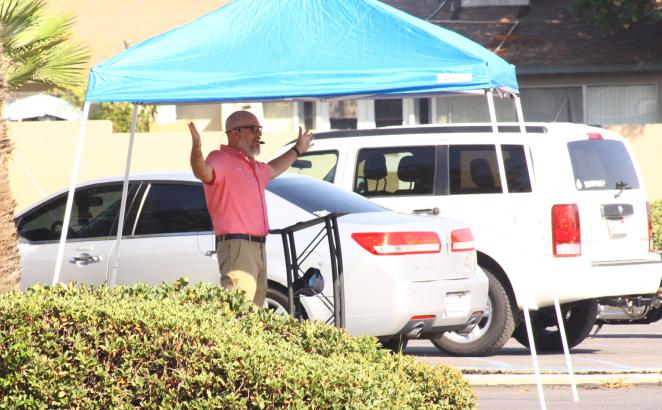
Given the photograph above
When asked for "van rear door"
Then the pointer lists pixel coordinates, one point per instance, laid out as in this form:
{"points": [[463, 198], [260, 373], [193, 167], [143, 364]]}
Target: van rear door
{"points": [[611, 199]]}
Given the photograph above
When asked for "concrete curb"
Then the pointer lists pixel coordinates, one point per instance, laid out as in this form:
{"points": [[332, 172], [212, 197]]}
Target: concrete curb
{"points": [[607, 379]]}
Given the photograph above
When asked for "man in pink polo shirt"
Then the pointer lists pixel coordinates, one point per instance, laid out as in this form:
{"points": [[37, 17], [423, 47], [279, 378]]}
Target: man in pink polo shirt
{"points": [[234, 185]]}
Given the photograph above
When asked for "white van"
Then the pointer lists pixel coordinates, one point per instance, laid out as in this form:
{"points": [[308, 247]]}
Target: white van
{"points": [[559, 210]]}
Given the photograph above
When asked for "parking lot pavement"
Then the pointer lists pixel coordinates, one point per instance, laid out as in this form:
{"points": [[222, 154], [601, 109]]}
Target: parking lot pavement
{"points": [[642, 397], [617, 354]]}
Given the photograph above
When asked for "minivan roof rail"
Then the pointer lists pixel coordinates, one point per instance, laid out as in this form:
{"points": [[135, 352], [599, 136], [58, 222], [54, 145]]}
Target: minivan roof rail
{"points": [[537, 129]]}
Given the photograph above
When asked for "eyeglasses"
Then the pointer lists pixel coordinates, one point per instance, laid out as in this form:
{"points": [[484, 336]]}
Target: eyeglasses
{"points": [[254, 128]]}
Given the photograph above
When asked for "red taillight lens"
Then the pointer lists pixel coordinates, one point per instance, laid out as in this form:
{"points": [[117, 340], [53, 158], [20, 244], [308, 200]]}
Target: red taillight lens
{"points": [[462, 240], [398, 243], [594, 136], [566, 233], [650, 226]]}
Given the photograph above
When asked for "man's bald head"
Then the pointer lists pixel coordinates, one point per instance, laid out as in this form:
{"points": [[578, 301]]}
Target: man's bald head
{"points": [[238, 119]]}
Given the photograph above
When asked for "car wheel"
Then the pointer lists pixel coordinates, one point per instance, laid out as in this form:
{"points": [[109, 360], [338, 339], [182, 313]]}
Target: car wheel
{"points": [[396, 344], [492, 331], [578, 320], [277, 301]]}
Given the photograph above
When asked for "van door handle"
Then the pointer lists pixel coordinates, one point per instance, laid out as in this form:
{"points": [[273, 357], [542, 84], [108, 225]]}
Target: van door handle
{"points": [[430, 211], [210, 253], [84, 259]]}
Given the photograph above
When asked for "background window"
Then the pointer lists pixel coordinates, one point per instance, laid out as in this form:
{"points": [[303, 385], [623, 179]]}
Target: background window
{"points": [[320, 165], [473, 170], [472, 108], [422, 110], [174, 208], [388, 112], [622, 104], [343, 114], [309, 114], [562, 104], [517, 173]]}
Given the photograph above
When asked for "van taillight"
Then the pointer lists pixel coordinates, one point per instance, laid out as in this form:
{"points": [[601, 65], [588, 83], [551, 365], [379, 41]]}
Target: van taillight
{"points": [[566, 234], [398, 243], [462, 240], [650, 226], [594, 136]]}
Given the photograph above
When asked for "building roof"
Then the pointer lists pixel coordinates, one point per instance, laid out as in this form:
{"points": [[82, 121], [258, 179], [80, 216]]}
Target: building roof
{"points": [[546, 37]]}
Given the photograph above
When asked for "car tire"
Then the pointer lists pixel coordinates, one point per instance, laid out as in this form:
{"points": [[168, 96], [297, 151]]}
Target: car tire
{"points": [[277, 301], [492, 331], [396, 344], [578, 320]]}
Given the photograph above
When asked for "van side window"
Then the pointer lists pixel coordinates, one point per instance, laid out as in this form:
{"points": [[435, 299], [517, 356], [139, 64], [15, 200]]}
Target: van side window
{"points": [[320, 165], [472, 169], [398, 171], [517, 173]]}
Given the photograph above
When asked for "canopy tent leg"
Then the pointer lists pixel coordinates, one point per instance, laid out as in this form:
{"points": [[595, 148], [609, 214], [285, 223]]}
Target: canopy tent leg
{"points": [[520, 113], [70, 195], [490, 105], [557, 306], [566, 350], [534, 357], [527, 313], [115, 262]]}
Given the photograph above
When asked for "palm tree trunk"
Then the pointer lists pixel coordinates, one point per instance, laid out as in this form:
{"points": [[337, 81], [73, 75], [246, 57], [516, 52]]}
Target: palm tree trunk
{"points": [[10, 261]]}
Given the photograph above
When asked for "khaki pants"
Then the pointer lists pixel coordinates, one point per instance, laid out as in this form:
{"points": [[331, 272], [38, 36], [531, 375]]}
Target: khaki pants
{"points": [[243, 265]]}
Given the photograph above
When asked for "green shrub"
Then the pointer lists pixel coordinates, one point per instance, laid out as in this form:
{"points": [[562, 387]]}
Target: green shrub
{"points": [[656, 215], [197, 347]]}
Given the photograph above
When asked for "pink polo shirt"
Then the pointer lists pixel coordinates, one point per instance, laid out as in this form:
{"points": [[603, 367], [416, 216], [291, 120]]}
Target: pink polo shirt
{"points": [[235, 199]]}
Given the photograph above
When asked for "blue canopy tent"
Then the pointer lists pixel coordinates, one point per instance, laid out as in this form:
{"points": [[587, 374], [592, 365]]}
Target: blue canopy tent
{"points": [[297, 50], [292, 50]]}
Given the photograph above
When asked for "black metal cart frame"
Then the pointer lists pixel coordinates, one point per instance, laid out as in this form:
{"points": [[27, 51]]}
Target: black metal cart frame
{"points": [[293, 261]]}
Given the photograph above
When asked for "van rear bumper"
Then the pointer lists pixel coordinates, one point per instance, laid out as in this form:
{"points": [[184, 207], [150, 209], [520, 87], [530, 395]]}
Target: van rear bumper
{"points": [[597, 279]]}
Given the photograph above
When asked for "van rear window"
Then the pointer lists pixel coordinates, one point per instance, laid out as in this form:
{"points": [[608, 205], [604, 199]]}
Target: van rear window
{"points": [[602, 165]]}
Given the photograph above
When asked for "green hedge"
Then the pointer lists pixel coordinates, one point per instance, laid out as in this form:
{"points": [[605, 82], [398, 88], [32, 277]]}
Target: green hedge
{"points": [[656, 215], [197, 347]]}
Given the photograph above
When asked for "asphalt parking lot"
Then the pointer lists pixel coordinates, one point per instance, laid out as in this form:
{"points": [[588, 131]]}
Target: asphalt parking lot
{"points": [[619, 368]]}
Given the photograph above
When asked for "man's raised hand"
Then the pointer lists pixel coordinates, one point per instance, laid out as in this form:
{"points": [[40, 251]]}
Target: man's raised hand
{"points": [[305, 140], [195, 136]]}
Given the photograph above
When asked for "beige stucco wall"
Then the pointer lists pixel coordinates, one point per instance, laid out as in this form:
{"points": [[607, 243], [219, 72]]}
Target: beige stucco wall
{"points": [[646, 141], [44, 153]]}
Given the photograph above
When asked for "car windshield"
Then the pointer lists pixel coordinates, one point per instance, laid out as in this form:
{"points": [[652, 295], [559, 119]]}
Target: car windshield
{"points": [[602, 164], [320, 198]]}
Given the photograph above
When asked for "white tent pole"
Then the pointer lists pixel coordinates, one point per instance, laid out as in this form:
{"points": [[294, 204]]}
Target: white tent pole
{"points": [[534, 357], [490, 105], [527, 313], [557, 306], [566, 350], [70, 195], [520, 113], [115, 263]]}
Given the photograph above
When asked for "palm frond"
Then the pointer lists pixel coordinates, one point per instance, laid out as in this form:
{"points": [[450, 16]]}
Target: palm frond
{"points": [[37, 45]]}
